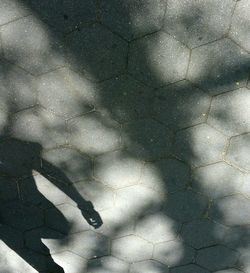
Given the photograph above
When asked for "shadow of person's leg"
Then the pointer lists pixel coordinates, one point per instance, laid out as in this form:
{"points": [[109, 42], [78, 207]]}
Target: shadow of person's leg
{"points": [[31, 250], [43, 263]]}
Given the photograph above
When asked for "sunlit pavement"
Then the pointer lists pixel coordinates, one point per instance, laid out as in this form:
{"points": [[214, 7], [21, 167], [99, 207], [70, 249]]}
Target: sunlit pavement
{"points": [[125, 136]]}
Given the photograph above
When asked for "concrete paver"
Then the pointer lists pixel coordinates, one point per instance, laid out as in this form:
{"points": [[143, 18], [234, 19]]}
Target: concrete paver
{"points": [[132, 19], [209, 145], [240, 24], [230, 112], [183, 100], [166, 55], [124, 136], [197, 23], [228, 62]]}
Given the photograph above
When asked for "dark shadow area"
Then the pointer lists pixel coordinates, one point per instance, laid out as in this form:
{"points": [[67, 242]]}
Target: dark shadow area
{"points": [[129, 90], [22, 204]]}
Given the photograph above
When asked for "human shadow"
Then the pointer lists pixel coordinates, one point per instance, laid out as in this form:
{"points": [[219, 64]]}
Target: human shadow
{"points": [[22, 205], [129, 101]]}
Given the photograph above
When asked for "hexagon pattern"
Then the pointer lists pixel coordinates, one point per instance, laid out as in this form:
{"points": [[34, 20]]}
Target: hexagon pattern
{"points": [[124, 136]]}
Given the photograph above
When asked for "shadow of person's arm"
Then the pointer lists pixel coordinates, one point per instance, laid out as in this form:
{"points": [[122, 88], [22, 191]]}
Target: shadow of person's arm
{"points": [[61, 181]]}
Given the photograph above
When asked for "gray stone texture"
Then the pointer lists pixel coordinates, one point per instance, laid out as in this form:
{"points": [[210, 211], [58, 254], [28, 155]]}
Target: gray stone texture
{"points": [[37, 55], [185, 206], [217, 257], [200, 145], [147, 139], [240, 24], [230, 112], [217, 180], [66, 93], [219, 66], [173, 253], [65, 15], [100, 53], [125, 98], [203, 233], [181, 105], [94, 133], [39, 126], [198, 22], [133, 18], [167, 58], [117, 170], [238, 151], [168, 175], [131, 249], [235, 210]]}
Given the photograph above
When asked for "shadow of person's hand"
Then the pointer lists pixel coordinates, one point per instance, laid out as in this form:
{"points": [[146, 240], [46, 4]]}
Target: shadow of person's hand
{"points": [[90, 214]]}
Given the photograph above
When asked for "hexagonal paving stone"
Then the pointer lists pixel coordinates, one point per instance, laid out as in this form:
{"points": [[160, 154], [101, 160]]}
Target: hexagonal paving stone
{"points": [[219, 66], [14, 260], [33, 239], [75, 221], [217, 257], [149, 266], [229, 271], [100, 53], [116, 223], [8, 188], [70, 262], [217, 180], [240, 26], [132, 249], [65, 16], [20, 216], [231, 210], [230, 112], [158, 59], [18, 89], [199, 145], [244, 263], [203, 233], [189, 269], [185, 206], [245, 189], [74, 165], [126, 98], [66, 93], [238, 238], [181, 105], [147, 139], [94, 134], [157, 228], [12, 10], [107, 264], [117, 169], [100, 195], [136, 200], [173, 253], [28, 43], [133, 19], [86, 244], [165, 175], [40, 126], [196, 23], [239, 150]]}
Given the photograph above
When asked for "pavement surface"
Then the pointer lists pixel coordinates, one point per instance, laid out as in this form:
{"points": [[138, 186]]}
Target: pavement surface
{"points": [[125, 136]]}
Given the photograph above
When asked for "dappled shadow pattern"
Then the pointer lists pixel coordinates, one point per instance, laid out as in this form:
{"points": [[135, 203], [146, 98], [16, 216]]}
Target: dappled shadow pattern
{"points": [[139, 98], [22, 205]]}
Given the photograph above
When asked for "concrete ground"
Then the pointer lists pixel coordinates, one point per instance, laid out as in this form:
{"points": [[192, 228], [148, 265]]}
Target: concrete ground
{"points": [[125, 136]]}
